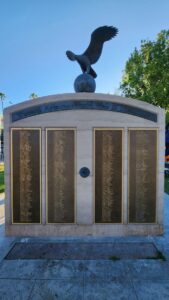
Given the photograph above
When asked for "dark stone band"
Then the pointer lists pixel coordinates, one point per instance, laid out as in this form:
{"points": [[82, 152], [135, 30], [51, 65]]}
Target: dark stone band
{"points": [[82, 104]]}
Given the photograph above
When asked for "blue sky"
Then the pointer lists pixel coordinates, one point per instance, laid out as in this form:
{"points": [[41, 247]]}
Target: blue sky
{"points": [[35, 34]]}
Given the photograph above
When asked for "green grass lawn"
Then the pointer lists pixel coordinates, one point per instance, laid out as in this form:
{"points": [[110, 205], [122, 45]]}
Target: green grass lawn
{"points": [[166, 184], [2, 185]]}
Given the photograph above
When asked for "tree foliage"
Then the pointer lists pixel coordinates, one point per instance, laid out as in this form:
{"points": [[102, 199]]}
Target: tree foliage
{"points": [[2, 98], [146, 74]]}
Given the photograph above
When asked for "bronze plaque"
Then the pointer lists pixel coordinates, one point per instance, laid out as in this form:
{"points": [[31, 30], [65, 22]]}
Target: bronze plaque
{"points": [[60, 175], [108, 176], [26, 175], [142, 176]]}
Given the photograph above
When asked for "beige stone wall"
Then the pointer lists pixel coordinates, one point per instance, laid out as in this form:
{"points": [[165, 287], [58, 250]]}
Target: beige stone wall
{"points": [[85, 121]]}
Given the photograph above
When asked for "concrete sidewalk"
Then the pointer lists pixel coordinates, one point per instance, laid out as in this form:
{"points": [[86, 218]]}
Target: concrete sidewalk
{"points": [[85, 279]]}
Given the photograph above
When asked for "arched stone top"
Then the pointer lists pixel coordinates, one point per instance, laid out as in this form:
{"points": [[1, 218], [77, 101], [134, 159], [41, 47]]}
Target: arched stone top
{"points": [[83, 101]]}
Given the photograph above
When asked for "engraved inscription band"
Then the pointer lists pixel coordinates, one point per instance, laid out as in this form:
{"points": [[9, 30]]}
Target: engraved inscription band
{"points": [[82, 104]]}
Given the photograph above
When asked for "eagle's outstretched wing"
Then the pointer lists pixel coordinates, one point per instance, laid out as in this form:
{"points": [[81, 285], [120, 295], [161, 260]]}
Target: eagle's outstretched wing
{"points": [[98, 37]]}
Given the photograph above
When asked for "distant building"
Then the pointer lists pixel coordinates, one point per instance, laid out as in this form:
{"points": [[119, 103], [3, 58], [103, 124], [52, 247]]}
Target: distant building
{"points": [[1, 138]]}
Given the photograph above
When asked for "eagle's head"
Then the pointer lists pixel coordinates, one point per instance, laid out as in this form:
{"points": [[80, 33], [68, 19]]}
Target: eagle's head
{"points": [[70, 55]]}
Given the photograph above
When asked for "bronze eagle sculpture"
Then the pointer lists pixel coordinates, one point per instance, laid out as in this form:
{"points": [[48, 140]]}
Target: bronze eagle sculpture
{"points": [[94, 50]]}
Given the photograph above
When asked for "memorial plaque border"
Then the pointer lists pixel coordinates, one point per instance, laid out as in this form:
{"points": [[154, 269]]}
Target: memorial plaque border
{"points": [[122, 177], [75, 195], [40, 171], [128, 205]]}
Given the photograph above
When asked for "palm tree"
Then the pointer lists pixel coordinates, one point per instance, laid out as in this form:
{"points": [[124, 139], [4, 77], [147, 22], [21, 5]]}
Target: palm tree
{"points": [[33, 96], [2, 98]]}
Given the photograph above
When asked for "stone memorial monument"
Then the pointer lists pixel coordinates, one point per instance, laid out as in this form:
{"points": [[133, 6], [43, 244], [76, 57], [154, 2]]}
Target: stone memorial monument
{"points": [[84, 163]]}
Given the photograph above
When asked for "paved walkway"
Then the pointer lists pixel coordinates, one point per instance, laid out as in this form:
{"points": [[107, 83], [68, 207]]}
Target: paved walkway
{"points": [[142, 279]]}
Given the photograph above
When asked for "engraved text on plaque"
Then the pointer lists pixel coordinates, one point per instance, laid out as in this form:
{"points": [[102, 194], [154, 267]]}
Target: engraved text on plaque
{"points": [[26, 175], [108, 176], [60, 175], [142, 175]]}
